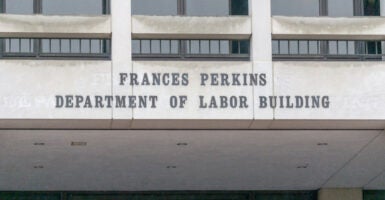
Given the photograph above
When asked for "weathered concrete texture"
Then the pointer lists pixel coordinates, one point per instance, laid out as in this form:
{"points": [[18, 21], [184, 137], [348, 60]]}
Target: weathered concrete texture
{"points": [[340, 194], [28, 88], [234, 27], [55, 26], [328, 28], [355, 89], [121, 55], [192, 109]]}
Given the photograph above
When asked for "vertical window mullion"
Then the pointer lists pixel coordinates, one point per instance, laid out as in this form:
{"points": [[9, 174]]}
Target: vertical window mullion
{"points": [[37, 47], [230, 7], [358, 7], [2, 40], [323, 7], [20, 46], [37, 6], [106, 7], [181, 7]]}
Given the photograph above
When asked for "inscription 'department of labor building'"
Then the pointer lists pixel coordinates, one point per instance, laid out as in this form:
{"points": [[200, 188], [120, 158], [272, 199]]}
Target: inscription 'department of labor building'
{"points": [[203, 99]]}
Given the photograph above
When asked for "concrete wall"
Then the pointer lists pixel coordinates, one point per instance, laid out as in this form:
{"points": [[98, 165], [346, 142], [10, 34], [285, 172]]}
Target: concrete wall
{"points": [[174, 27], [55, 26], [355, 90], [360, 28]]}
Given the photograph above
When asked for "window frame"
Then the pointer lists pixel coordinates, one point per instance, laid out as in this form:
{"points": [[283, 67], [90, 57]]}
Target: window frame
{"points": [[37, 52], [182, 8], [184, 55], [38, 7]]}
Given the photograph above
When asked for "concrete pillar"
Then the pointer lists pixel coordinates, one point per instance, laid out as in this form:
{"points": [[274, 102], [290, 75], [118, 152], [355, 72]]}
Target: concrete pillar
{"points": [[121, 56], [340, 194], [261, 48], [121, 31], [261, 52]]}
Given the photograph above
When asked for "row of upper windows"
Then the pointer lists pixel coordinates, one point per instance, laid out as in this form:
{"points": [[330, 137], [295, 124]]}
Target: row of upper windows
{"points": [[139, 7], [55, 7], [334, 8]]}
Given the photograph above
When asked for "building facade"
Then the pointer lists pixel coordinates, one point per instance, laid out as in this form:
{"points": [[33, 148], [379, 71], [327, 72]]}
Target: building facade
{"points": [[192, 99]]}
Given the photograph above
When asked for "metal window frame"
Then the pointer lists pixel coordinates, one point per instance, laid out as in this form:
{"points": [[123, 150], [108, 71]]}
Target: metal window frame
{"points": [[38, 6], [184, 54], [322, 55], [37, 52]]}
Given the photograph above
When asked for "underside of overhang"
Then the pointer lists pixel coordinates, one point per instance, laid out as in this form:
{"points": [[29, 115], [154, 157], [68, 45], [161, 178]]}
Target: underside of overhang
{"points": [[65, 160]]}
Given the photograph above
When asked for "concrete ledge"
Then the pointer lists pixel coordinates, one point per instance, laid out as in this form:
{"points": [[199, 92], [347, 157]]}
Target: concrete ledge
{"points": [[65, 124], [129, 124], [347, 28], [55, 26], [177, 27]]}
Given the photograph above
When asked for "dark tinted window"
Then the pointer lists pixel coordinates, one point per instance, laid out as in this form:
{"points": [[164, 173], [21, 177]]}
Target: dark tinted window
{"points": [[240, 46], [372, 7], [154, 7], [19, 6], [72, 7], [374, 195], [239, 7]]}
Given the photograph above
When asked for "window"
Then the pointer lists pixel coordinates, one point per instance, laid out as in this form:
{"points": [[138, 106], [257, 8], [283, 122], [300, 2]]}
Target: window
{"points": [[190, 7], [154, 48], [340, 8], [333, 8], [154, 7], [55, 47], [372, 7], [295, 7], [327, 49], [18, 6], [207, 8], [72, 7], [55, 7], [374, 195]]}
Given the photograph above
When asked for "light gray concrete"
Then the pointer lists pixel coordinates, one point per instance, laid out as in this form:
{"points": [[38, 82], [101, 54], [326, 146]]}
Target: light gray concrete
{"points": [[121, 55], [359, 28], [363, 169], [177, 27], [355, 88], [28, 88], [212, 160], [55, 26]]}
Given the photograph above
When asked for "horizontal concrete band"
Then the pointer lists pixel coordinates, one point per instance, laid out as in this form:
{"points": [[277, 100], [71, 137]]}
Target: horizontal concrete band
{"points": [[347, 28], [146, 124], [42, 26], [206, 91], [233, 27]]}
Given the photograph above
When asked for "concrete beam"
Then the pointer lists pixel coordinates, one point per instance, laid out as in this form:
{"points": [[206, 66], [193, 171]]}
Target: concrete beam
{"points": [[352, 28], [340, 194], [177, 27], [41, 26]]}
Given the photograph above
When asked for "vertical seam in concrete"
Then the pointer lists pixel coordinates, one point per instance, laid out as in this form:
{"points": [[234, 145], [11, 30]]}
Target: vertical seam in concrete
{"points": [[132, 93], [132, 66], [112, 70], [252, 62], [351, 159], [253, 96], [379, 174]]}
